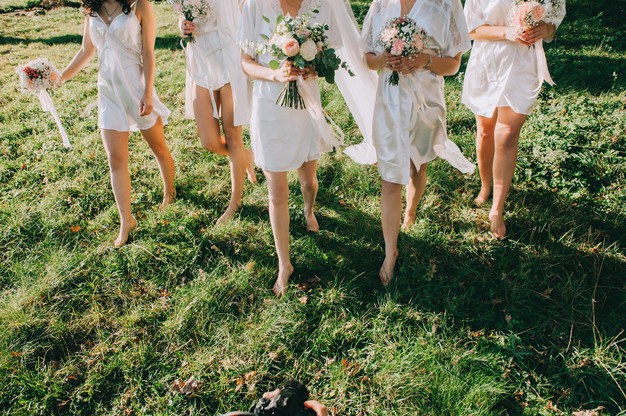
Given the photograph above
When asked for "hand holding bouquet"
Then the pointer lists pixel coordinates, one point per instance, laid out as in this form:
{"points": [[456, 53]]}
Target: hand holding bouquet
{"points": [[190, 10], [302, 44], [37, 77], [402, 37]]}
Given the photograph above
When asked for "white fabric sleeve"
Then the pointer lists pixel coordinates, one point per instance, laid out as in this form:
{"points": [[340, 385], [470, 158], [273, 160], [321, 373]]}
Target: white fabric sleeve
{"points": [[248, 37], [458, 40], [555, 14], [369, 38], [474, 14]]}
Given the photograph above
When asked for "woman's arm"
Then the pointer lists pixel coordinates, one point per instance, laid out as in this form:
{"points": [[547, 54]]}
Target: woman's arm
{"points": [[82, 57], [147, 18], [254, 70]]}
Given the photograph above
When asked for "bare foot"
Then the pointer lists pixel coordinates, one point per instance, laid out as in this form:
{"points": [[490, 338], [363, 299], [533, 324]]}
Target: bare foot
{"points": [[482, 196], [497, 228], [228, 214], [408, 220], [125, 228], [168, 198], [282, 282], [250, 166], [311, 223], [385, 274]]}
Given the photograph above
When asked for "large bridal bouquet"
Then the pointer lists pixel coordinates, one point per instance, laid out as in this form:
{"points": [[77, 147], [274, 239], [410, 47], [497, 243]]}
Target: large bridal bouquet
{"points": [[190, 10], [37, 77], [305, 44], [401, 36]]}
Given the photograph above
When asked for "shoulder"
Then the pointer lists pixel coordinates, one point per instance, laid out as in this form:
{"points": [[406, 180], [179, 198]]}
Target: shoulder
{"points": [[143, 6]]}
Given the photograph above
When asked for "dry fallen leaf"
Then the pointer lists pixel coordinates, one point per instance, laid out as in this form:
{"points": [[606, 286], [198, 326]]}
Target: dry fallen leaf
{"points": [[75, 228], [303, 300], [188, 388]]}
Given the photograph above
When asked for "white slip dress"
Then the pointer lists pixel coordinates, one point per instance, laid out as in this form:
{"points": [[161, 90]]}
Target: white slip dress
{"points": [[121, 82], [503, 73], [284, 138]]}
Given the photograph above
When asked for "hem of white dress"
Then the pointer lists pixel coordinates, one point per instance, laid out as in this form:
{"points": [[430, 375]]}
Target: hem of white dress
{"points": [[284, 170], [134, 128]]}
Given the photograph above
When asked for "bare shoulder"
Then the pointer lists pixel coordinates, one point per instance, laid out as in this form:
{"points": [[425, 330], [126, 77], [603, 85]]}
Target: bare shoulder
{"points": [[144, 7]]}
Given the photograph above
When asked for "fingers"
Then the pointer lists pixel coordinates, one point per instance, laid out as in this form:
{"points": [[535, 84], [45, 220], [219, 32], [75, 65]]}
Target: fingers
{"points": [[187, 27], [270, 394], [317, 407], [145, 108]]}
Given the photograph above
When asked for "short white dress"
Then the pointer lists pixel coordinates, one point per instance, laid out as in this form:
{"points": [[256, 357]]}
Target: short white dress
{"points": [[410, 118], [284, 138], [121, 82], [504, 73], [214, 60]]}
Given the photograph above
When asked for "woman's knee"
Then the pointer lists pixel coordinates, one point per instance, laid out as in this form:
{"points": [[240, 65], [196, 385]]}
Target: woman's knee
{"points": [[279, 195], [117, 161]]}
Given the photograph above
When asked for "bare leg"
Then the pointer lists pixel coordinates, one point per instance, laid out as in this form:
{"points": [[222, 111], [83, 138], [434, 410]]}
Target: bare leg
{"points": [[307, 175], [506, 138], [485, 153], [414, 193], [278, 188], [391, 210], [155, 137], [116, 146], [236, 153], [251, 173]]}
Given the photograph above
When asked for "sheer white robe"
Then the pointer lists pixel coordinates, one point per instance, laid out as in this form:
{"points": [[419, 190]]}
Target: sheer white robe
{"points": [[214, 60], [409, 123], [503, 73]]}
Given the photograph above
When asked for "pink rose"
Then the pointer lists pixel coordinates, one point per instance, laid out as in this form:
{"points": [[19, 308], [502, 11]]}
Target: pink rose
{"points": [[418, 42], [538, 12], [397, 48], [291, 47], [389, 34]]}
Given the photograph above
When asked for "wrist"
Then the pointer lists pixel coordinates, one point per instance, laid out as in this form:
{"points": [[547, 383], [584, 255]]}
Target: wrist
{"points": [[429, 63]]}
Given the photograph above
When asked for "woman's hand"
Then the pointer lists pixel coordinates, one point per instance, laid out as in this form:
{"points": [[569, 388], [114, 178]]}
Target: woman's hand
{"points": [[145, 105], [410, 64], [513, 36], [187, 27], [542, 31], [287, 72], [309, 72], [317, 407]]}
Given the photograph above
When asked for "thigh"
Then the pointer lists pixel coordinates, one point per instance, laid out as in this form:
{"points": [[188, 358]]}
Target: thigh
{"points": [[509, 118], [487, 125], [277, 184], [155, 136], [307, 172], [115, 144], [203, 112]]}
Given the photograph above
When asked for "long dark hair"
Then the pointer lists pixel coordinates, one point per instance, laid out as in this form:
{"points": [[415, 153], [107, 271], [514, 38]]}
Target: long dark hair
{"points": [[92, 6]]}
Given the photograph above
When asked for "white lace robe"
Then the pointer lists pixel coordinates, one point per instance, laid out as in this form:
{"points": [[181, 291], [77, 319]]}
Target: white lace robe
{"points": [[503, 73], [410, 119]]}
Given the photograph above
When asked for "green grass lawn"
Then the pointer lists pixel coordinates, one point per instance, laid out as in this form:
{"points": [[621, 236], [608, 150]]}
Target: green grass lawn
{"points": [[532, 325]]}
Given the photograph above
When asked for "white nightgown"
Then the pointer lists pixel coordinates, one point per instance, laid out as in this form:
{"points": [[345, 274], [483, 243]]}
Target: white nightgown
{"points": [[410, 118], [284, 138], [503, 73], [121, 82], [214, 60]]}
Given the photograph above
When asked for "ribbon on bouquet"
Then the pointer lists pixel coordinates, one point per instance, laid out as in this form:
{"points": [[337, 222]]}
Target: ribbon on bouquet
{"points": [[48, 105], [542, 64], [329, 137]]}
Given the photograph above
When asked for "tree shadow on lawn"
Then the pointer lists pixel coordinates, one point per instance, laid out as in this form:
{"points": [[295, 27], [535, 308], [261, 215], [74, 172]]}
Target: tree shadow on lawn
{"points": [[594, 74]]}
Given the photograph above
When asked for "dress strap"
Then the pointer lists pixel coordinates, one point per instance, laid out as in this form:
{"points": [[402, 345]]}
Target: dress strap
{"points": [[133, 6]]}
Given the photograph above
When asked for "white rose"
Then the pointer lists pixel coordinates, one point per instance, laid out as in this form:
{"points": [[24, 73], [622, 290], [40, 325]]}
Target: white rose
{"points": [[308, 50]]}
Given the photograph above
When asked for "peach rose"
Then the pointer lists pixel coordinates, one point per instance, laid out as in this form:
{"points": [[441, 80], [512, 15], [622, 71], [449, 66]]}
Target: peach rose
{"points": [[291, 47]]}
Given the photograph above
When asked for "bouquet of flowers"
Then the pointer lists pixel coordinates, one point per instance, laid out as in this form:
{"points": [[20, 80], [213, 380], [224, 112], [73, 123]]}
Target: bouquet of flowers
{"points": [[37, 77], [305, 44], [401, 36], [525, 14], [190, 10]]}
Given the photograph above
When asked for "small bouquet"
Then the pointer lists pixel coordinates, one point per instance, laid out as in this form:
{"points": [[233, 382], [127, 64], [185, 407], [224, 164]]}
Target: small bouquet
{"points": [[190, 10], [37, 77], [525, 14], [305, 44], [402, 37]]}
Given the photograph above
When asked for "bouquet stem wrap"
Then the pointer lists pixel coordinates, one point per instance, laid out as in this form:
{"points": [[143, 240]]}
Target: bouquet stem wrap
{"points": [[48, 105]]}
